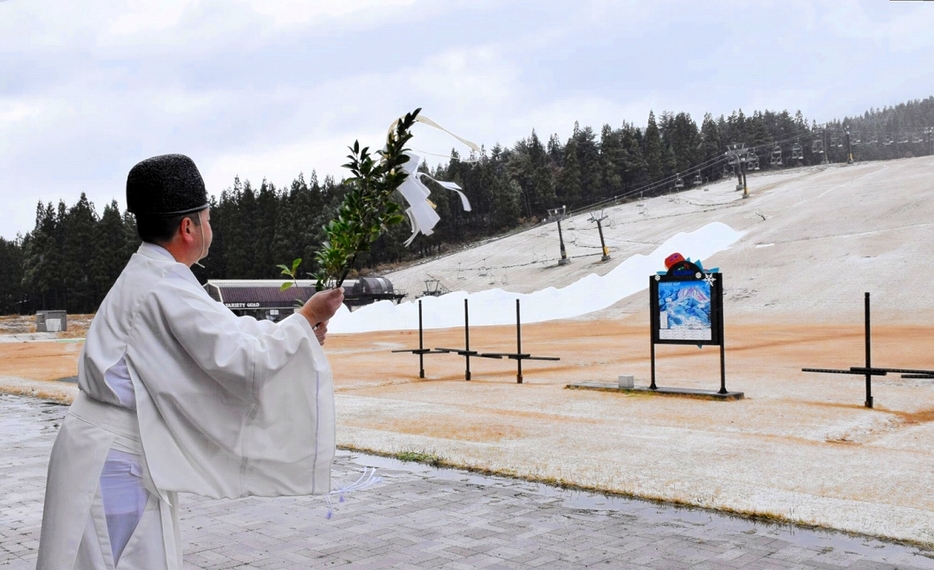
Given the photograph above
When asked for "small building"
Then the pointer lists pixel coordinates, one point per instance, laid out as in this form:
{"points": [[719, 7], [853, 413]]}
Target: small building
{"points": [[265, 299], [51, 321]]}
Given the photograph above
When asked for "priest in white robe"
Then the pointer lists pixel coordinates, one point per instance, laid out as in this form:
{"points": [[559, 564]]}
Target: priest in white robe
{"points": [[177, 394]]}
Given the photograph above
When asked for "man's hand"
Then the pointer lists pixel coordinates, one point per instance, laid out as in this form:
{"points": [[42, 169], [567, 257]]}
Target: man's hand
{"points": [[321, 332], [321, 307]]}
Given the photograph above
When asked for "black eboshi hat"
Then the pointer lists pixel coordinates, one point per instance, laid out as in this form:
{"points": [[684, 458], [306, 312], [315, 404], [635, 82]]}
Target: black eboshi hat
{"points": [[166, 185]]}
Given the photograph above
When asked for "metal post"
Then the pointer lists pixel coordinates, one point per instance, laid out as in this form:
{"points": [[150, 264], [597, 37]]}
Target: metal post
{"points": [[594, 218], [564, 254], [868, 356], [606, 252], [722, 350], [823, 139], [738, 153], [518, 345], [652, 385], [849, 150], [722, 367], [421, 346], [556, 215], [466, 341], [739, 173]]}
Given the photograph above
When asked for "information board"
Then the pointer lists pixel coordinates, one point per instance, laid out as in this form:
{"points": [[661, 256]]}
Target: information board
{"points": [[686, 307]]}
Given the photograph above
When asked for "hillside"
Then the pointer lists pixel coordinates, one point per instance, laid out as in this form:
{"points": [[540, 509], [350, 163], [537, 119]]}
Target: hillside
{"points": [[812, 241]]}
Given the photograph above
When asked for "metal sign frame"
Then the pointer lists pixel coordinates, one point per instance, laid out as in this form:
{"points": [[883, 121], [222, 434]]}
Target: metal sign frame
{"points": [[694, 299]]}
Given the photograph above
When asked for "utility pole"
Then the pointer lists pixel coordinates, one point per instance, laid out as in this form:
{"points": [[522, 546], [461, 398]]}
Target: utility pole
{"points": [[737, 153], [556, 215], [594, 218], [849, 149], [823, 138]]}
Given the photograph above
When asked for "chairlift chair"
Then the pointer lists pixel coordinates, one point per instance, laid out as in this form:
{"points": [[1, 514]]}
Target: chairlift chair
{"points": [[752, 161], [698, 180], [433, 288], [679, 184], [817, 146], [776, 158], [797, 152], [903, 139]]}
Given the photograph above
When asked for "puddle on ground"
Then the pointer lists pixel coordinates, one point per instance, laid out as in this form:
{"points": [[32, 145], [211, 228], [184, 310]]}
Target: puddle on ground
{"points": [[702, 521]]}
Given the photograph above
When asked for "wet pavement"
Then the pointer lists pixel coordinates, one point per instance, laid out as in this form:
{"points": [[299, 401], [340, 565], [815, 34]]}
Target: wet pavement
{"points": [[422, 517]]}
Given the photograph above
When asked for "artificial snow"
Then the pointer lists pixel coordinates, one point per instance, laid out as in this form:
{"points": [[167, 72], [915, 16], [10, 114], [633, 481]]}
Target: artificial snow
{"points": [[498, 307]]}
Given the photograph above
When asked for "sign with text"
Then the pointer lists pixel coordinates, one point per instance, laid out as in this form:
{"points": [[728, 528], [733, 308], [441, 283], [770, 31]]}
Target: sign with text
{"points": [[686, 306]]}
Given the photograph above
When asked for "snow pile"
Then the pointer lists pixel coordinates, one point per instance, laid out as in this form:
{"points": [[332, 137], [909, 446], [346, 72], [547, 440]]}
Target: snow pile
{"points": [[498, 307]]}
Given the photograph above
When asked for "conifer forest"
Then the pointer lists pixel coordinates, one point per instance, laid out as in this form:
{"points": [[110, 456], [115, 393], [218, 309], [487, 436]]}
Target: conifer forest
{"points": [[75, 252]]}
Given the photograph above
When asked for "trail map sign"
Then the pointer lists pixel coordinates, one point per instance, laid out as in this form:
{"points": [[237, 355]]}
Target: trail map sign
{"points": [[687, 308]]}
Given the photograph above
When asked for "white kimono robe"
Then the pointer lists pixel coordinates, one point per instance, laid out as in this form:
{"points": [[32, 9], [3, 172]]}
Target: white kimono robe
{"points": [[226, 407]]}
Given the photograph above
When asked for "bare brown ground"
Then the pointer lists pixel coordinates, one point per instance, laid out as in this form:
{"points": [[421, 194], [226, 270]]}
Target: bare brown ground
{"points": [[799, 446]]}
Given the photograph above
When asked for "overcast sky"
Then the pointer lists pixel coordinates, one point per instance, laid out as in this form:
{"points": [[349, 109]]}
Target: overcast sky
{"points": [[271, 88]]}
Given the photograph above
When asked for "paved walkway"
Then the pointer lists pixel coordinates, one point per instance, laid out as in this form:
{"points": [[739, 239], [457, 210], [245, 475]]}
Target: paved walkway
{"points": [[421, 517]]}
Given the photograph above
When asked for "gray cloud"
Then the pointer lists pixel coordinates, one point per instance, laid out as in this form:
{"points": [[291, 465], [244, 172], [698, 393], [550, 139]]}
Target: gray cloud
{"points": [[270, 89]]}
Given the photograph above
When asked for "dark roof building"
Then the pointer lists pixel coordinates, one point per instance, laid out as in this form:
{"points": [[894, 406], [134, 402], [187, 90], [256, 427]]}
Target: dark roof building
{"points": [[265, 298]]}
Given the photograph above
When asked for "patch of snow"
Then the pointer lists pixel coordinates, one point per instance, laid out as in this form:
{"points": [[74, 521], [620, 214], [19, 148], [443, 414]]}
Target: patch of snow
{"points": [[497, 307]]}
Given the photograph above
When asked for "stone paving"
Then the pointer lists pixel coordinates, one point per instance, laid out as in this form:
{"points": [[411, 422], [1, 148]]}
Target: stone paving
{"points": [[421, 517]]}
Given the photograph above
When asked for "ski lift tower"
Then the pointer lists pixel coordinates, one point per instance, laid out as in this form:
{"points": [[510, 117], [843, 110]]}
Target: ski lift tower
{"points": [[556, 215], [736, 152], [594, 218], [849, 147]]}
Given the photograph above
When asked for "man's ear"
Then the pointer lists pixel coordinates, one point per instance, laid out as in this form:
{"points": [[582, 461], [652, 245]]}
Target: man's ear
{"points": [[186, 227]]}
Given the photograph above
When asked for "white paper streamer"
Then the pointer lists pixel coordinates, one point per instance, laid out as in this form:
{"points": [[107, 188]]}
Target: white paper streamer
{"points": [[421, 210], [366, 480]]}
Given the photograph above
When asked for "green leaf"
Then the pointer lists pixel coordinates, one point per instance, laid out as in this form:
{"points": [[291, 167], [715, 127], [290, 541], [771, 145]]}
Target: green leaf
{"points": [[368, 208]]}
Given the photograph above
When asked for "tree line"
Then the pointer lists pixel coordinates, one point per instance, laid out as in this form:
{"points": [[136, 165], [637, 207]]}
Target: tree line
{"points": [[73, 255]]}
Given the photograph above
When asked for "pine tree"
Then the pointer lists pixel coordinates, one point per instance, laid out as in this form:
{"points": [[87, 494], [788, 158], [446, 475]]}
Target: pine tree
{"points": [[711, 148], [109, 253], [41, 257], [568, 183], [78, 233], [588, 161], [11, 277], [653, 149]]}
